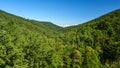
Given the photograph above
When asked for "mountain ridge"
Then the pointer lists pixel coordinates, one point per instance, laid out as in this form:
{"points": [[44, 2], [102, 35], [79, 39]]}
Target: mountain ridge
{"points": [[55, 24]]}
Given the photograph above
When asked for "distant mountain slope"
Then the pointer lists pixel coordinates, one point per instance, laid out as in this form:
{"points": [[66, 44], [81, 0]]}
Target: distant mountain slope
{"points": [[42, 27], [105, 22], [109, 17]]}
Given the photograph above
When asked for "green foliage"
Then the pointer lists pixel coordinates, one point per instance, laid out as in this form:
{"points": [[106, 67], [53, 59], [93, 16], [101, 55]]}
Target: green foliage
{"points": [[91, 58], [32, 44]]}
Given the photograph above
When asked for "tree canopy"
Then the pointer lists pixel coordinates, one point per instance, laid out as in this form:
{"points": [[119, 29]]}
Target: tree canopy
{"points": [[28, 43]]}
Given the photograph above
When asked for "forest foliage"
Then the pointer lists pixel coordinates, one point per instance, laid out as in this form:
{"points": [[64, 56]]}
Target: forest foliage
{"points": [[28, 43]]}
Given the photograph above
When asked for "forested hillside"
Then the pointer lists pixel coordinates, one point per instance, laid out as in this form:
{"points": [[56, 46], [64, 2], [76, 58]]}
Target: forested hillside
{"points": [[28, 43]]}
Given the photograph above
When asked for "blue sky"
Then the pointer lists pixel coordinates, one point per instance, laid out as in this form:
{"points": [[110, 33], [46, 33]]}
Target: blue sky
{"points": [[60, 12]]}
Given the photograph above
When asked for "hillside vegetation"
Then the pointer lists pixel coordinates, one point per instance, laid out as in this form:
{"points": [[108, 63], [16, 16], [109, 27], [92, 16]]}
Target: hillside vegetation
{"points": [[28, 43]]}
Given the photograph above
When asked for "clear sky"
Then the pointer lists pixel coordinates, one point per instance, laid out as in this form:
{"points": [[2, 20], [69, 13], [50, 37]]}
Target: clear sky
{"points": [[60, 12]]}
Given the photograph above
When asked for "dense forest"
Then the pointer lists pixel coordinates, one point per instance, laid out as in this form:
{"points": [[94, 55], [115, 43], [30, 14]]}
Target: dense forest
{"points": [[26, 43]]}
